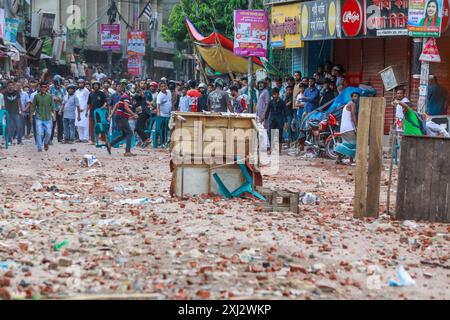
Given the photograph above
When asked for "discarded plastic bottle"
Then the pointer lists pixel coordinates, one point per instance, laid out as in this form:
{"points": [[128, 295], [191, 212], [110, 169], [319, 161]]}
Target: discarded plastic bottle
{"points": [[58, 246]]}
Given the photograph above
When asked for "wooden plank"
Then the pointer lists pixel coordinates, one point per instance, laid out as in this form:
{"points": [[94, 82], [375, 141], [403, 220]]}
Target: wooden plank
{"points": [[410, 176], [442, 166], [360, 203], [401, 187], [416, 172], [375, 156], [425, 157]]}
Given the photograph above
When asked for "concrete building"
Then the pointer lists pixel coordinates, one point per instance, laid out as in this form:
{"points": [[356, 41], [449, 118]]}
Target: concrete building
{"points": [[90, 14]]}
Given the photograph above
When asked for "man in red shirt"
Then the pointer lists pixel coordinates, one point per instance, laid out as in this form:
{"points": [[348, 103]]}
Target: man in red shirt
{"points": [[122, 110], [193, 94]]}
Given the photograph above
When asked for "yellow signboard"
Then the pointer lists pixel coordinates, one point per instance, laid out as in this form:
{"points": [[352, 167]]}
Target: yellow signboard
{"points": [[285, 26]]}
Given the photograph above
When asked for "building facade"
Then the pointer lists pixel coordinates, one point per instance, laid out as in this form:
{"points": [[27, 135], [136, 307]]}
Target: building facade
{"points": [[89, 15], [365, 37]]}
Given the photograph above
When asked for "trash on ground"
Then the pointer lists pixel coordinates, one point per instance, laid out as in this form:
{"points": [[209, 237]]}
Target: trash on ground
{"points": [[404, 278], [89, 161]]}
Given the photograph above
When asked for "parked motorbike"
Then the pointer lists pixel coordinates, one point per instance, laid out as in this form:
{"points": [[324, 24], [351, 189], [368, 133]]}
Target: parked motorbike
{"points": [[322, 136]]}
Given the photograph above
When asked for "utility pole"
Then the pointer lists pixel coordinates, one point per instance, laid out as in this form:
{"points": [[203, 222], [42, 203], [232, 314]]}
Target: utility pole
{"points": [[250, 71], [111, 19], [424, 80]]}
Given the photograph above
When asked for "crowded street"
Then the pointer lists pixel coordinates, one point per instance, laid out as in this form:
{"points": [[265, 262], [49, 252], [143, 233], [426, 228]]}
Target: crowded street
{"points": [[202, 247], [235, 152]]}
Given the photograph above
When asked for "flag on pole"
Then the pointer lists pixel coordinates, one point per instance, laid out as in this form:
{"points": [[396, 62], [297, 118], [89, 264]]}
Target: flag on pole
{"points": [[148, 11]]}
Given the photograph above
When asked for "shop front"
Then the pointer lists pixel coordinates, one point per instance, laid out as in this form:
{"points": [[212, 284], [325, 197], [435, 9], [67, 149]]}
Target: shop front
{"points": [[374, 37], [319, 28], [287, 49]]}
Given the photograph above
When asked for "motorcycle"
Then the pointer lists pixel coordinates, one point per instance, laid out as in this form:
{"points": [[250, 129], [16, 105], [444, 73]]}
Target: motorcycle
{"points": [[322, 136]]}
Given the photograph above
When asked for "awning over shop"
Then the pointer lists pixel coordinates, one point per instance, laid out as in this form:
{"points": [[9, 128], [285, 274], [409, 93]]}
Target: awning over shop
{"points": [[217, 51], [224, 60]]}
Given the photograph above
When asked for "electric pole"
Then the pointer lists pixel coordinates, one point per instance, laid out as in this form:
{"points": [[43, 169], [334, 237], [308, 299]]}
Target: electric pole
{"points": [[250, 71]]}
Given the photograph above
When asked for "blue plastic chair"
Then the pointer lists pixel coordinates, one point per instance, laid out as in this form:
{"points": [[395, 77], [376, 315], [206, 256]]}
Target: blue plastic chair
{"points": [[4, 124], [101, 125], [247, 187]]}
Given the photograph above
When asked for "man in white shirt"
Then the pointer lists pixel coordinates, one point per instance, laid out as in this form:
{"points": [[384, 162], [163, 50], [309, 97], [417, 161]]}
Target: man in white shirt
{"points": [[164, 109], [82, 122], [164, 102], [99, 75], [399, 102]]}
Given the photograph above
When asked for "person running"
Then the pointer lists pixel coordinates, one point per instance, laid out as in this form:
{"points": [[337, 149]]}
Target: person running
{"points": [[123, 113], [69, 113], [44, 109]]}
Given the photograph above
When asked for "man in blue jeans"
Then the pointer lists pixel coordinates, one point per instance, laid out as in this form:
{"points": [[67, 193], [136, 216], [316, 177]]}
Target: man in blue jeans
{"points": [[14, 107], [69, 111], [44, 109]]}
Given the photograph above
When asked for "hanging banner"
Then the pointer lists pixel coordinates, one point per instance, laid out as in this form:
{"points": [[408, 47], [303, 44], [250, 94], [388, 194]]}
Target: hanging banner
{"points": [[430, 52], [285, 26], [2, 23], [136, 43], [134, 65], [251, 28], [386, 18], [11, 28], [425, 17], [319, 20], [110, 36]]}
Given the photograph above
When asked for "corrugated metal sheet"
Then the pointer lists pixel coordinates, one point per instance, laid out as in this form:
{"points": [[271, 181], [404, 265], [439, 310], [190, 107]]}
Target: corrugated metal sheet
{"points": [[298, 60]]}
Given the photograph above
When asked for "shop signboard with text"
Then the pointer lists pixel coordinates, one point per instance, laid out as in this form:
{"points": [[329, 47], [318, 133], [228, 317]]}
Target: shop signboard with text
{"points": [[352, 18], [11, 28], [285, 26], [110, 36], [251, 33], [374, 18], [134, 65], [386, 18], [319, 20], [136, 43], [425, 18]]}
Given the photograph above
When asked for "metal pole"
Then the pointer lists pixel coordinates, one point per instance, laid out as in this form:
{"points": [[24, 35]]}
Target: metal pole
{"points": [[110, 62], [424, 79], [250, 72]]}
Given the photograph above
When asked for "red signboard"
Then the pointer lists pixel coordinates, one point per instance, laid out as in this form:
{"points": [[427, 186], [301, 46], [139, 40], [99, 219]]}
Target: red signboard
{"points": [[352, 18], [134, 65], [445, 16]]}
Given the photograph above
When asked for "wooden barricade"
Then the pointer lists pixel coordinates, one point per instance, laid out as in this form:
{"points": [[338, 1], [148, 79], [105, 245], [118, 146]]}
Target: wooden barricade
{"points": [[424, 179], [203, 144], [369, 157]]}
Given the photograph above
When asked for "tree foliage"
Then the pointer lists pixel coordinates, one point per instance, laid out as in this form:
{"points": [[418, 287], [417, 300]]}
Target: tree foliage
{"points": [[206, 15]]}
